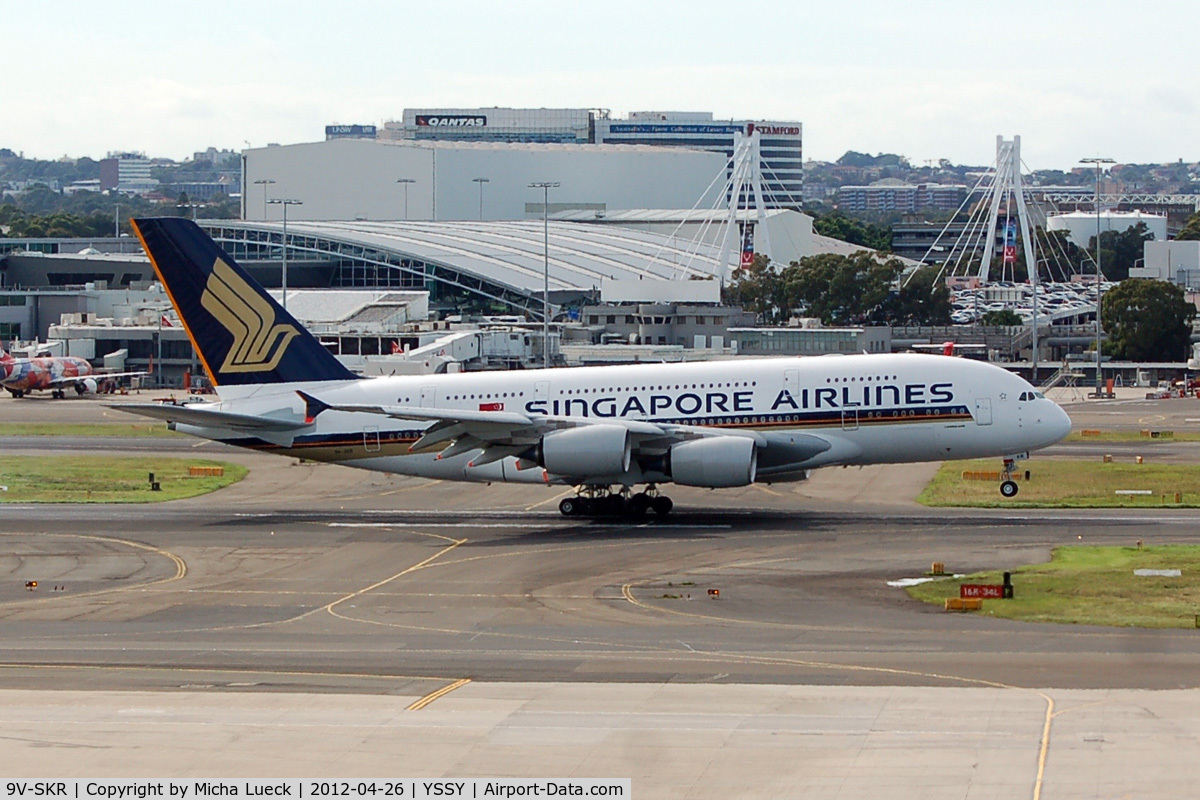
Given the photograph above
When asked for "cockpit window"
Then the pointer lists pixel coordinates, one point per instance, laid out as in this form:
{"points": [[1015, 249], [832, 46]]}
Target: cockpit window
{"points": [[1024, 396], [1039, 395]]}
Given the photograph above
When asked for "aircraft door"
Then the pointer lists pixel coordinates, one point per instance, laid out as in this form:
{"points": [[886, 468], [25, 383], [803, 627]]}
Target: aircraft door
{"points": [[791, 384], [983, 411], [428, 397], [371, 439], [541, 394], [849, 419]]}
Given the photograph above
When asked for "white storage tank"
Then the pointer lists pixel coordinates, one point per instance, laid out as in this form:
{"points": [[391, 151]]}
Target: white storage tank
{"points": [[1081, 225]]}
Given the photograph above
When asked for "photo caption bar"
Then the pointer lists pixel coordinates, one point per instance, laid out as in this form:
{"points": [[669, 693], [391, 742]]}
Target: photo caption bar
{"points": [[505, 788]]}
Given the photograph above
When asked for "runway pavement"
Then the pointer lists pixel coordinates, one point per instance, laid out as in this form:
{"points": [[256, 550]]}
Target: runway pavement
{"points": [[309, 567], [580, 640]]}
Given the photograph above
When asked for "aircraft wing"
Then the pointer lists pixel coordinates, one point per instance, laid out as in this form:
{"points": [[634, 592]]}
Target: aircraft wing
{"points": [[58, 383], [501, 434], [485, 424], [213, 419]]}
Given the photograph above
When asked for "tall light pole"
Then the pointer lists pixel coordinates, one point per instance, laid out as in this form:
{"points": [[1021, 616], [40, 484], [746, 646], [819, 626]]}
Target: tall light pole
{"points": [[481, 182], [405, 182], [545, 186], [1099, 275], [117, 221], [285, 202], [264, 182]]}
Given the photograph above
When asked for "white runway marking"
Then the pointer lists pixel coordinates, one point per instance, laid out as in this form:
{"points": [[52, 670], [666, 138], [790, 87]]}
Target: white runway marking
{"points": [[522, 525]]}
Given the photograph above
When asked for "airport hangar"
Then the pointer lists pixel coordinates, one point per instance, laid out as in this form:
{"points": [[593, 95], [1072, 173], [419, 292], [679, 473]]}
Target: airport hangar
{"points": [[363, 179]]}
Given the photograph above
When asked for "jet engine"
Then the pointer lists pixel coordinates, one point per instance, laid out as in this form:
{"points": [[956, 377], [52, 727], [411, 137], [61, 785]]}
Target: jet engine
{"points": [[715, 462], [589, 451], [86, 386]]}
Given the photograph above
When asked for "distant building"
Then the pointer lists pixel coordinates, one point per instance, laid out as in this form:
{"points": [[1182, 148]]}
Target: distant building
{"points": [[205, 190], [904, 197], [916, 240], [90, 185], [215, 157], [699, 326], [128, 173], [512, 125], [23, 186], [781, 152], [810, 341], [1177, 262]]}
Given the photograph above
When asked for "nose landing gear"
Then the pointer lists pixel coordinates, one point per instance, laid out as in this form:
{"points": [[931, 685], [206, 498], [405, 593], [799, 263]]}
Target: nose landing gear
{"points": [[602, 501], [1008, 487]]}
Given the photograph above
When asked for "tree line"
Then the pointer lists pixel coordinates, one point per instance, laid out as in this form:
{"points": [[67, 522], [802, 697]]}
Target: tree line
{"points": [[94, 215], [1145, 320], [859, 289]]}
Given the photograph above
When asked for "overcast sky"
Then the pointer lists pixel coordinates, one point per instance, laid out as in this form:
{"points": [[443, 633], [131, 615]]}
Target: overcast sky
{"points": [[922, 78]]}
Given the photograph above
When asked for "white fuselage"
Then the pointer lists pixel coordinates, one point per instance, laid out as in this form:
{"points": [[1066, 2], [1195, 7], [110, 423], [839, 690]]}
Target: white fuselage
{"points": [[869, 409]]}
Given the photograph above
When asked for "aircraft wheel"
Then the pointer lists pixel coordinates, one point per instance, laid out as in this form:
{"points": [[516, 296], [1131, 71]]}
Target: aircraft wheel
{"points": [[662, 505], [1009, 488], [638, 505], [571, 506]]}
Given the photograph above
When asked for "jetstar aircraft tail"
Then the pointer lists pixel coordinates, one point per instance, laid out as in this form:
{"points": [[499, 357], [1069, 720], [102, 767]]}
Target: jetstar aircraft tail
{"points": [[242, 335]]}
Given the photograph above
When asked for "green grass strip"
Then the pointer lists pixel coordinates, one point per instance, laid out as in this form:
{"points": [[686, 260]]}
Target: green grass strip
{"points": [[1061, 483], [1164, 437], [108, 429], [1086, 585], [107, 479]]}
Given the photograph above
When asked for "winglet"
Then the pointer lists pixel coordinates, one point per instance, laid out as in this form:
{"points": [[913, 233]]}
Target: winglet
{"points": [[312, 407]]}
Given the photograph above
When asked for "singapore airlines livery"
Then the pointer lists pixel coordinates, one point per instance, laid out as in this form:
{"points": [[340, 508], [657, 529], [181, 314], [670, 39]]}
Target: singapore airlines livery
{"points": [[604, 430]]}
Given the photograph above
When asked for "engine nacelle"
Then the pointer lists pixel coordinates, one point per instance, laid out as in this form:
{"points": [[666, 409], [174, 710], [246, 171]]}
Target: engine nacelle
{"points": [[589, 451], [717, 462], [86, 386]]}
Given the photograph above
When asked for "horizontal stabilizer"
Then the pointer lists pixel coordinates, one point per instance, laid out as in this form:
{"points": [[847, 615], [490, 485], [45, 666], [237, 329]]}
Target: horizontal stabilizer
{"points": [[212, 419]]}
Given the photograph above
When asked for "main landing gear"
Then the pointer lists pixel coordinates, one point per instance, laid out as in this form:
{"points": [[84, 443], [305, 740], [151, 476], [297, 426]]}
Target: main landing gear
{"points": [[593, 501]]}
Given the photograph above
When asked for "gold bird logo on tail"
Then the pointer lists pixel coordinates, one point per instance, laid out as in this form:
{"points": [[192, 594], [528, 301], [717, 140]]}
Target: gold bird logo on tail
{"points": [[258, 343]]}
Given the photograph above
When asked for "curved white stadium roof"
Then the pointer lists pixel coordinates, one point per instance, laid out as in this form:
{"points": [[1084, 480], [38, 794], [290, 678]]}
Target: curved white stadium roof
{"points": [[511, 253]]}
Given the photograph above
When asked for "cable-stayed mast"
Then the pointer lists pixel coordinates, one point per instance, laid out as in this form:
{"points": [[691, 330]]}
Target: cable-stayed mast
{"points": [[745, 191]]}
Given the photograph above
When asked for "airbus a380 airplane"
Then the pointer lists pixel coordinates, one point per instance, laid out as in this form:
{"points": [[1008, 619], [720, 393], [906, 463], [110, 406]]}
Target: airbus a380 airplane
{"points": [[602, 429]]}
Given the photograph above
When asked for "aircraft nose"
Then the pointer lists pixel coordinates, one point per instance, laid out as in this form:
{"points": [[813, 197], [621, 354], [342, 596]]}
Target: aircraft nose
{"points": [[1060, 423]]}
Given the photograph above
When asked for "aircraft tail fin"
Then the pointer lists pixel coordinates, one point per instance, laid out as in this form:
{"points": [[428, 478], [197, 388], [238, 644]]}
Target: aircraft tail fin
{"points": [[242, 335], [5, 356]]}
